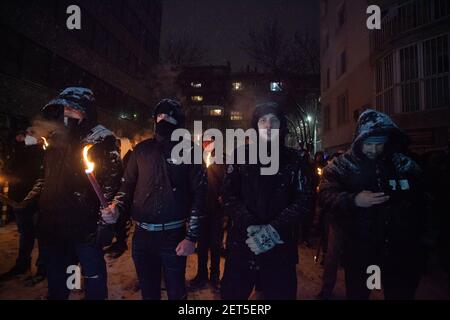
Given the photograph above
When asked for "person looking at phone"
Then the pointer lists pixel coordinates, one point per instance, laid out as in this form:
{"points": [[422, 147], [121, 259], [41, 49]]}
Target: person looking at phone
{"points": [[374, 192]]}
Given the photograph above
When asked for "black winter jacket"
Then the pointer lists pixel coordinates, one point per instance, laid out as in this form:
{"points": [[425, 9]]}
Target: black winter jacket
{"points": [[397, 229], [157, 190], [280, 200], [69, 207]]}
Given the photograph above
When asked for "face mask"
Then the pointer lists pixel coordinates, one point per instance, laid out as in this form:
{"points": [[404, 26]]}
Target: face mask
{"points": [[30, 140], [164, 129], [71, 123]]}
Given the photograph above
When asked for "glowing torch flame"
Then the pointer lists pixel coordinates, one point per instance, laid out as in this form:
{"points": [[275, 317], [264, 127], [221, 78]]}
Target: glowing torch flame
{"points": [[45, 146], [319, 171], [208, 160], [89, 164]]}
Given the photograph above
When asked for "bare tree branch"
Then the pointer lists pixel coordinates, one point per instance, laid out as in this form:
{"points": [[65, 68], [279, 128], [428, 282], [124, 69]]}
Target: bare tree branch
{"points": [[304, 54], [271, 49], [267, 47], [183, 50]]}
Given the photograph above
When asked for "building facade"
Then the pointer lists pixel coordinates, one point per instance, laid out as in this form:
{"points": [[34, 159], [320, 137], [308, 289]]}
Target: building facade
{"points": [[346, 81], [225, 100], [402, 69], [112, 53], [410, 56], [205, 95]]}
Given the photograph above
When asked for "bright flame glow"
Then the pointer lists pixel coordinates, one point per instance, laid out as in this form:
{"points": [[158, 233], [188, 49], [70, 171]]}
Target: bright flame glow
{"points": [[89, 164], [319, 171], [45, 146], [208, 160]]}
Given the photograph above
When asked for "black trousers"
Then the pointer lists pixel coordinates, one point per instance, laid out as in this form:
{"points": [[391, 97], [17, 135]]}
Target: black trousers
{"points": [[153, 253], [58, 257], [277, 281], [122, 228], [399, 280], [26, 221], [210, 240], [332, 258]]}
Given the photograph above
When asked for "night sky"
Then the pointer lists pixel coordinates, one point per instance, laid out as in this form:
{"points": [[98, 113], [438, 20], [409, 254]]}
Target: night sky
{"points": [[223, 25]]}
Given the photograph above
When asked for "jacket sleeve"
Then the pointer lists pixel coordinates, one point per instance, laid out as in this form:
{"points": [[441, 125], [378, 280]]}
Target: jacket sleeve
{"points": [[198, 185], [233, 205], [125, 194], [33, 196], [333, 198], [301, 206], [111, 168]]}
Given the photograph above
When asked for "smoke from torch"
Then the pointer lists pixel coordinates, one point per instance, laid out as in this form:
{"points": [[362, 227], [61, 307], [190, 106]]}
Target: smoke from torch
{"points": [[90, 174]]}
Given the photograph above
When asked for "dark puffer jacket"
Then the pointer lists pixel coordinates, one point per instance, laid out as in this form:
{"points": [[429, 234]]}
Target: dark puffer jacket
{"points": [[395, 230], [280, 200], [69, 207]]}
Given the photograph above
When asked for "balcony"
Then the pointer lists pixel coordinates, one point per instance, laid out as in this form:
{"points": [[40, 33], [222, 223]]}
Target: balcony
{"points": [[401, 20]]}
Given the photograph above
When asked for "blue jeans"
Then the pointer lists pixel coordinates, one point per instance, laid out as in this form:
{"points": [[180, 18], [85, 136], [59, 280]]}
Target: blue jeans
{"points": [[153, 251], [90, 256]]}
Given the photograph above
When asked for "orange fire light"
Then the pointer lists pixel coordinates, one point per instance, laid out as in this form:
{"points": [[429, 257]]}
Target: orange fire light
{"points": [[89, 164], [45, 146]]}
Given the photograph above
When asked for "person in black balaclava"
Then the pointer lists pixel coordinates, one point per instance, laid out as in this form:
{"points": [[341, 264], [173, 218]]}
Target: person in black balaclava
{"points": [[162, 195], [265, 211], [70, 227]]}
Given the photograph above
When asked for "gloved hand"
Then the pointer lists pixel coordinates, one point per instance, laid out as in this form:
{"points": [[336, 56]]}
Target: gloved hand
{"points": [[262, 238], [110, 214], [252, 230]]}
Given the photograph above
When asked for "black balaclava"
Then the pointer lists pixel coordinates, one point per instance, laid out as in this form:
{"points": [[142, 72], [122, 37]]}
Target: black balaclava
{"points": [[172, 108], [164, 129]]}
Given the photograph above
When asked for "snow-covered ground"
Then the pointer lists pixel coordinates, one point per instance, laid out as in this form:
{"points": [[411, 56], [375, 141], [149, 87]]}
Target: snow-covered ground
{"points": [[122, 279]]}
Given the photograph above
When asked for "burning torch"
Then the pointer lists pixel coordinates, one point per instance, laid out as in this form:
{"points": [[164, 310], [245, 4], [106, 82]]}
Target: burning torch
{"points": [[105, 232], [45, 145], [90, 174], [208, 159]]}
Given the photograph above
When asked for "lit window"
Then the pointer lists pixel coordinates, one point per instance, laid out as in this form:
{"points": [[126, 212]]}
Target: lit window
{"points": [[237, 86], [276, 86], [197, 98], [236, 116], [215, 112], [196, 84]]}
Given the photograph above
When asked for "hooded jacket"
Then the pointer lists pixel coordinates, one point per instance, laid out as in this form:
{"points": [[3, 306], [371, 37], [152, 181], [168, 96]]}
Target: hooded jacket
{"points": [[280, 200], [394, 229], [69, 207]]}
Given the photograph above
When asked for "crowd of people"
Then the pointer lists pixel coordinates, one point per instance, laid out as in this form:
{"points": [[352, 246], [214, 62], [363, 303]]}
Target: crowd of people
{"points": [[373, 204]]}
